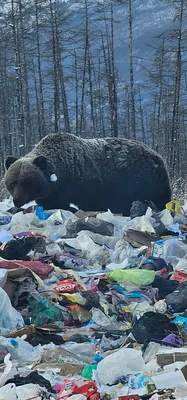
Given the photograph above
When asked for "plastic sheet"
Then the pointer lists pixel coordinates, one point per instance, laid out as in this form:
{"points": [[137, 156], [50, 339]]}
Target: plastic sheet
{"points": [[120, 363], [8, 392], [84, 350], [173, 251], [99, 317], [3, 277], [10, 319], [5, 236], [20, 350], [85, 243]]}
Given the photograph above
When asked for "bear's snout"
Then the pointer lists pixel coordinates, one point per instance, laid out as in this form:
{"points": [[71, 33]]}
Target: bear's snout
{"points": [[19, 199]]}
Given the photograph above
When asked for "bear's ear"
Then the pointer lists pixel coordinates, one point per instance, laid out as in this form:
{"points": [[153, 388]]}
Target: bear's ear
{"points": [[44, 164], [40, 162], [9, 161]]}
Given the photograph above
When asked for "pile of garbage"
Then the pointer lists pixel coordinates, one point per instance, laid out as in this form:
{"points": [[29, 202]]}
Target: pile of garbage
{"points": [[93, 305]]}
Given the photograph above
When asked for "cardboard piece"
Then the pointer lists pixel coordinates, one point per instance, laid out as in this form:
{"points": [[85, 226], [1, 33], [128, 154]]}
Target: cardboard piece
{"points": [[171, 357], [17, 272], [27, 330], [184, 371], [65, 369]]}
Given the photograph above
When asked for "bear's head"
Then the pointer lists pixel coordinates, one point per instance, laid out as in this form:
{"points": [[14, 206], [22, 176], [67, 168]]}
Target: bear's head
{"points": [[28, 179]]}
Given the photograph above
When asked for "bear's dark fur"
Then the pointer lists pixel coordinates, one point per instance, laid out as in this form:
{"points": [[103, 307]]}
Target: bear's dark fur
{"points": [[95, 174]]}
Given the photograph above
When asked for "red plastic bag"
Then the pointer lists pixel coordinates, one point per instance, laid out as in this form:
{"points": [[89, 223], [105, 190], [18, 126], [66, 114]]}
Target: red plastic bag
{"points": [[87, 388], [38, 267], [129, 397], [180, 276]]}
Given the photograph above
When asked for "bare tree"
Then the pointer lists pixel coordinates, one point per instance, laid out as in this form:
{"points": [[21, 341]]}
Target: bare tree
{"points": [[40, 96], [175, 132], [131, 72]]}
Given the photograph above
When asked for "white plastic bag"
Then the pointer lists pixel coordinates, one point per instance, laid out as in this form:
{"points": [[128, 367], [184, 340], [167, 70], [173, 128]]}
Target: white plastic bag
{"points": [[5, 236], [166, 217], [112, 266], [113, 391], [8, 372], [109, 241], [124, 250], [85, 243], [121, 363], [119, 222], [146, 222], [20, 350], [99, 317], [30, 391], [182, 265], [6, 204], [84, 350], [10, 318], [3, 276], [56, 224], [27, 222], [61, 217], [173, 251], [151, 351], [8, 392], [171, 379], [24, 392]]}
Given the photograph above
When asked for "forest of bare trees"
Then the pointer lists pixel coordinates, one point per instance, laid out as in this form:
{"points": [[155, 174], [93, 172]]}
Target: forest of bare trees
{"points": [[58, 72]]}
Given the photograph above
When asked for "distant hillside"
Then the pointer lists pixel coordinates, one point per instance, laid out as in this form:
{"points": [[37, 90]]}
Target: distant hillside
{"points": [[150, 18]]}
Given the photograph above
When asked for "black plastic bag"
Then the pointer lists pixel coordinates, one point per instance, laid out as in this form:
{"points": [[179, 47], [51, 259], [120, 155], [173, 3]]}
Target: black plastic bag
{"points": [[91, 224], [138, 208], [152, 326], [177, 300], [164, 286], [33, 377], [17, 249]]}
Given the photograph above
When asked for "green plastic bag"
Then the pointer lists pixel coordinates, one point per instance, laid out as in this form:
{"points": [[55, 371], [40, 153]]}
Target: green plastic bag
{"points": [[44, 312], [138, 277], [88, 369]]}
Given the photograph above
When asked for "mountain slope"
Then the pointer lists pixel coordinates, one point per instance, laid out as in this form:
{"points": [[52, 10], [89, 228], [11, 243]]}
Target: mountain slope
{"points": [[150, 18]]}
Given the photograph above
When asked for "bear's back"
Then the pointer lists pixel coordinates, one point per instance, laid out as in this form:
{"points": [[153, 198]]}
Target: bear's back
{"points": [[110, 156]]}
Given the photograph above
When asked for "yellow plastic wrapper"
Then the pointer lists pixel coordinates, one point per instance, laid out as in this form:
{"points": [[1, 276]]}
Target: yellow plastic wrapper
{"points": [[76, 298], [173, 206]]}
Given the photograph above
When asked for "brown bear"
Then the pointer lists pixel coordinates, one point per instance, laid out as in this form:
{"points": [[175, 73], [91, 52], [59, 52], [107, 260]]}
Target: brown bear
{"points": [[95, 174]]}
